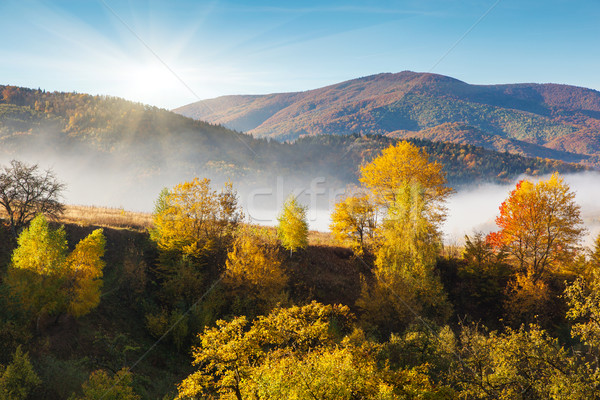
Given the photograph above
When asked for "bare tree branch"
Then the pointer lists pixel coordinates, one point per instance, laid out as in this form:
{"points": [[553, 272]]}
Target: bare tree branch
{"points": [[25, 191]]}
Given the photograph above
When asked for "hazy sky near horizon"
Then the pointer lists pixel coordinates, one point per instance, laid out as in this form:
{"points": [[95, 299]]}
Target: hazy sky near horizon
{"points": [[171, 53]]}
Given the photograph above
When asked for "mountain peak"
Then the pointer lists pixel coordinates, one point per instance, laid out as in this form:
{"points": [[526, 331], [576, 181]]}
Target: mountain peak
{"points": [[544, 115]]}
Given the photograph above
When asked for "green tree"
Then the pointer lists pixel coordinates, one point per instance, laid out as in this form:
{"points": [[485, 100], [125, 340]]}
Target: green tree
{"points": [[102, 386], [161, 205], [478, 288], [18, 379], [293, 227]]}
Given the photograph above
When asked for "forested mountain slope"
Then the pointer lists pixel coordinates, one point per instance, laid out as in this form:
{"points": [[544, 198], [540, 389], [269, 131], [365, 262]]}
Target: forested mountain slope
{"points": [[153, 144], [556, 117]]}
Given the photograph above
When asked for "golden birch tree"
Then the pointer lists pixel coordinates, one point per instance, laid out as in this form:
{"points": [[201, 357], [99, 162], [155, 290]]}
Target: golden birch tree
{"points": [[293, 227]]}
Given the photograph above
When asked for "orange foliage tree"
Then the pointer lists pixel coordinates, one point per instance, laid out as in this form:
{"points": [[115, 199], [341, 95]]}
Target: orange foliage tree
{"points": [[540, 226]]}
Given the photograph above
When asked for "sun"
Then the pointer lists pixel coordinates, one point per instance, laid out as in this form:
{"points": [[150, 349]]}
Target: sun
{"points": [[147, 80]]}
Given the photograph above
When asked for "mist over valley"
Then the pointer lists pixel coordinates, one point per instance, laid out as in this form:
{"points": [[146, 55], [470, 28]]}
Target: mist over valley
{"points": [[115, 153]]}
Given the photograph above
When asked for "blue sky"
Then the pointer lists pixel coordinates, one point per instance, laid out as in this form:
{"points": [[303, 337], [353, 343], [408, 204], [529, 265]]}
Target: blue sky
{"points": [[170, 53]]}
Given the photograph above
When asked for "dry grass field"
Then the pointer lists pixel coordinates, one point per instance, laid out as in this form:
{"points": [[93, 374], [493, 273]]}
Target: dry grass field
{"points": [[315, 238], [122, 219], [106, 217]]}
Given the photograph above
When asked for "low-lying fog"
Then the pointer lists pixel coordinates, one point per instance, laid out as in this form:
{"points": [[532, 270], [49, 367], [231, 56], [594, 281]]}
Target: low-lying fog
{"points": [[469, 209], [475, 209]]}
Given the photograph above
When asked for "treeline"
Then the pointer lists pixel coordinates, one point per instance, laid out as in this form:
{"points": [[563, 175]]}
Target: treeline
{"points": [[463, 164], [388, 312]]}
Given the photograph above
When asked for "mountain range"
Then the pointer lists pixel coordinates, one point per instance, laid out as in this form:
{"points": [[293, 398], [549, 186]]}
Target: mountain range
{"points": [[538, 120], [115, 152]]}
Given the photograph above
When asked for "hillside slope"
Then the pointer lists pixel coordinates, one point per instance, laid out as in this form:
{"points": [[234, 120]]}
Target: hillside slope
{"points": [[115, 151], [547, 115]]}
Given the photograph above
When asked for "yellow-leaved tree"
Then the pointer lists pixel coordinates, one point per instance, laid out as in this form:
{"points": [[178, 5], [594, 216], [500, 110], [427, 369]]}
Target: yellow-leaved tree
{"points": [[406, 284], [48, 280], [293, 227], [411, 191], [303, 353], [354, 222], [85, 266], [595, 253], [192, 216], [193, 229], [254, 272], [406, 164], [583, 298], [526, 363]]}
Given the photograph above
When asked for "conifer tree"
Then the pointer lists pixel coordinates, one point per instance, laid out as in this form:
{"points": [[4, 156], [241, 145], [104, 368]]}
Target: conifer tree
{"points": [[18, 378]]}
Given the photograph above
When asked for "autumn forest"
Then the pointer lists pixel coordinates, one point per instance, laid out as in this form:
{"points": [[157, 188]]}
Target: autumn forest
{"points": [[299, 200], [203, 305]]}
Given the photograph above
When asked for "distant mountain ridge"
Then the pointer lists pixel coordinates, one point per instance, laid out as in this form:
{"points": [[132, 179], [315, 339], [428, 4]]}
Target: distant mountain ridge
{"points": [[545, 120], [132, 146]]}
